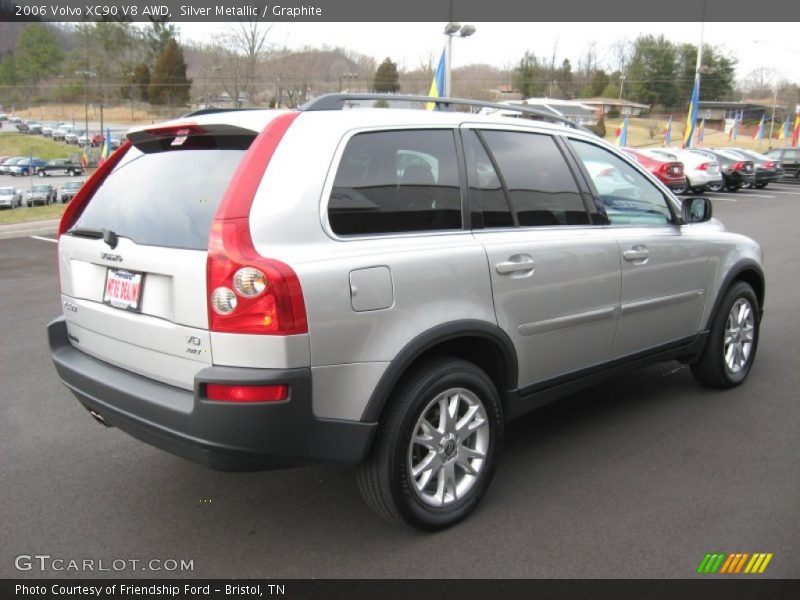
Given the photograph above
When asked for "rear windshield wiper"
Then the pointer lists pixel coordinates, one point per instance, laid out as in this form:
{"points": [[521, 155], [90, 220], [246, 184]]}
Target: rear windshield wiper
{"points": [[108, 236]]}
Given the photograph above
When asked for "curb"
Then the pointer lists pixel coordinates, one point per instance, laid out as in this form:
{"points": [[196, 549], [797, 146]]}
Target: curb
{"points": [[28, 228]]}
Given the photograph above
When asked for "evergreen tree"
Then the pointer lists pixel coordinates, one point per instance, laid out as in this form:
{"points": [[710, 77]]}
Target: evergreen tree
{"points": [[37, 54], [650, 76], [168, 82], [528, 76], [141, 82], [386, 79]]}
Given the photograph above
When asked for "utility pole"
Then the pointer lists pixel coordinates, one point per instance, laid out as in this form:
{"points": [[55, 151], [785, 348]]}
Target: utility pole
{"points": [[772, 121]]}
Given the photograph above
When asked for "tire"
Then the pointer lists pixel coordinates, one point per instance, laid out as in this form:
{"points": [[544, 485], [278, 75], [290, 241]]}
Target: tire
{"points": [[715, 187], [680, 190], [733, 188], [41, 173], [385, 478], [761, 186], [71, 172], [720, 366]]}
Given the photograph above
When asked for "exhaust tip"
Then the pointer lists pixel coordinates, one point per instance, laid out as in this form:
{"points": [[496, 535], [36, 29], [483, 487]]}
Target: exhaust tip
{"points": [[99, 418]]}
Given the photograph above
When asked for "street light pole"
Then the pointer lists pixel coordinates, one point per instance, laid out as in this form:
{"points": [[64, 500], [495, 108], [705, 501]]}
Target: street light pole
{"points": [[450, 30], [772, 121]]}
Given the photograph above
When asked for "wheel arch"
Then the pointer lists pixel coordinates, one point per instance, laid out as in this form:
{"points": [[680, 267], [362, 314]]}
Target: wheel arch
{"points": [[479, 342], [748, 271]]}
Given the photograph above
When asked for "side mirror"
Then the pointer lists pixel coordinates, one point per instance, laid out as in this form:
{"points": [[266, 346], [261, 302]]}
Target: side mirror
{"points": [[696, 210]]}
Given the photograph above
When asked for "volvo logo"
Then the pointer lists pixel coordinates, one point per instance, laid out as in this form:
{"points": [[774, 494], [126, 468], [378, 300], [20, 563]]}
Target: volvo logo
{"points": [[111, 257]]}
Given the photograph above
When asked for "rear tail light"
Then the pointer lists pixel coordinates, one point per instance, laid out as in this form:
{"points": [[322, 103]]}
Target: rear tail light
{"points": [[248, 293], [279, 309], [246, 393], [770, 164], [702, 167], [737, 166]]}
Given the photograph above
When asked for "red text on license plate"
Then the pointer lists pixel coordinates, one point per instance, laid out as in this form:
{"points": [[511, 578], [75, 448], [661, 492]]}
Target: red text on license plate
{"points": [[123, 289]]}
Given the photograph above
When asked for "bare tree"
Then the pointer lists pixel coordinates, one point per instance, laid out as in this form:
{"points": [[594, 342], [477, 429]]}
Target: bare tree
{"points": [[241, 50]]}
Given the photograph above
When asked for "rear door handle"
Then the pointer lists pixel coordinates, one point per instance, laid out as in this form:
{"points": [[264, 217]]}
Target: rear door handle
{"points": [[523, 263], [636, 253]]}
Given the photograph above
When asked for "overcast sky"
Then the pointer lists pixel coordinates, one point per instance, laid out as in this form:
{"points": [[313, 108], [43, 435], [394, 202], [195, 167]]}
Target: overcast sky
{"points": [[503, 44]]}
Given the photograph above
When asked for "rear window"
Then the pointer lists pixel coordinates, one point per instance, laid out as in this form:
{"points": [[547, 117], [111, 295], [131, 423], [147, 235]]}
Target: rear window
{"points": [[160, 195]]}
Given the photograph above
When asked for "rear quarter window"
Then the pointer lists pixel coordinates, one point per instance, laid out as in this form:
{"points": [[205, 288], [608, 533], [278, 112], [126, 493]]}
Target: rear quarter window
{"points": [[396, 182]]}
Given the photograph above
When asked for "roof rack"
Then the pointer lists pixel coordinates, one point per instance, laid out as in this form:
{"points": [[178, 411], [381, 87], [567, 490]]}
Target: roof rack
{"points": [[340, 101]]}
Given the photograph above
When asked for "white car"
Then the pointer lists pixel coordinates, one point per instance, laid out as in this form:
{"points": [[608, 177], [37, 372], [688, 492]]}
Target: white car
{"points": [[701, 174]]}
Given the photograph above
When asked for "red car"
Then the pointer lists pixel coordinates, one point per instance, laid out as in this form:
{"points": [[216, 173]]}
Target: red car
{"points": [[670, 173]]}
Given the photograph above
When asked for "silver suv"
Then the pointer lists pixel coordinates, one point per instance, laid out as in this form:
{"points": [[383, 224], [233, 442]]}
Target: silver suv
{"points": [[262, 288]]}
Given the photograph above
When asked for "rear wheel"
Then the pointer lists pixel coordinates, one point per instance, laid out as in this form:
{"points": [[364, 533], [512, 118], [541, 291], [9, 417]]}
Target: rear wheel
{"points": [[436, 448], [732, 341], [761, 186], [733, 188], [715, 187], [41, 173]]}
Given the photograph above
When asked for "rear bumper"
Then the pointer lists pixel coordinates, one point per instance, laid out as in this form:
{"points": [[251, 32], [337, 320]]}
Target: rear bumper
{"points": [[220, 435]]}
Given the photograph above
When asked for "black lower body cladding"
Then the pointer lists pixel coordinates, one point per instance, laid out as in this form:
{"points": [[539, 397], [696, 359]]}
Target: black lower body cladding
{"points": [[221, 435]]}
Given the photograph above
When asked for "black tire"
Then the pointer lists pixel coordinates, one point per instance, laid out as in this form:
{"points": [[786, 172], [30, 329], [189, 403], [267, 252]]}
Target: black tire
{"points": [[761, 186], [711, 369], [384, 478], [41, 173], [71, 172], [732, 188]]}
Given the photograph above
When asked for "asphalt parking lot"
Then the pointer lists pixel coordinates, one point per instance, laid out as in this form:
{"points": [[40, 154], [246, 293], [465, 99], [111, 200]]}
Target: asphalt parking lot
{"points": [[25, 183], [638, 477]]}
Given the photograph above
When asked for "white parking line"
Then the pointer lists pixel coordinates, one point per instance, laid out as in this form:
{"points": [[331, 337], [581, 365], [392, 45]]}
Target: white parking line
{"points": [[738, 194], [44, 239], [797, 193], [723, 199]]}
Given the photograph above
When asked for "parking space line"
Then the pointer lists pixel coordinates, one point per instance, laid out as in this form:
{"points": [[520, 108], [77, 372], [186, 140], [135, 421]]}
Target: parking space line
{"points": [[754, 195], [797, 193], [44, 239]]}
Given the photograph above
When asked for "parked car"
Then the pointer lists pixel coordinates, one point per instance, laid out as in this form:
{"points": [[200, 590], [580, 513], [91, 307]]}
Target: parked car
{"points": [[47, 130], [361, 316], [42, 193], [3, 116], [22, 126], [790, 160], [73, 136], [14, 119], [670, 172], [736, 172], [10, 197], [61, 133], [702, 174], [767, 169], [94, 140], [5, 167], [69, 189], [116, 142], [62, 166], [26, 166], [34, 128]]}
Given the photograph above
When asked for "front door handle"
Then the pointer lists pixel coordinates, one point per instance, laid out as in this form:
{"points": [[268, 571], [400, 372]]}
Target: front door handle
{"points": [[637, 253], [515, 265]]}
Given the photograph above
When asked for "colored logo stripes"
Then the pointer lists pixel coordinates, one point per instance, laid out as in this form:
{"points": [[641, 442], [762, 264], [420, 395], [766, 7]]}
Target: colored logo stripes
{"points": [[740, 562]]}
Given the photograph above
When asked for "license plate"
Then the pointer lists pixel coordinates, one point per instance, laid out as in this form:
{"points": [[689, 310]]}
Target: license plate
{"points": [[123, 289], [676, 170]]}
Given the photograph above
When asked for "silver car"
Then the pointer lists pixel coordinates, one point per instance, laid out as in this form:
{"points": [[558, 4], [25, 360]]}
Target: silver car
{"points": [[382, 287], [10, 197]]}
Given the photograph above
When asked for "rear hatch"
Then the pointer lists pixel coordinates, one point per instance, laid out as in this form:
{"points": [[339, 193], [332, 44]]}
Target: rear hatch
{"points": [[133, 265]]}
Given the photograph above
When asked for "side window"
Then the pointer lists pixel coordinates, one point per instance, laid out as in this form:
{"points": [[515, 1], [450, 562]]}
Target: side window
{"points": [[395, 182], [627, 196], [540, 186], [791, 155], [485, 188]]}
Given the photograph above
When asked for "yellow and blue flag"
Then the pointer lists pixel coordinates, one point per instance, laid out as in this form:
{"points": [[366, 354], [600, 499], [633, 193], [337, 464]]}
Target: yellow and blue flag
{"points": [[691, 118], [796, 133], [622, 133], [106, 152], [668, 132], [759, 134], [437, 85], [784, 131]]}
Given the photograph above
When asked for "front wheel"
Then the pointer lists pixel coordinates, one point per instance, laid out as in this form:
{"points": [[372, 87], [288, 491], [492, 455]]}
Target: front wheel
{"points": [[437, 446], [732, 342]]}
